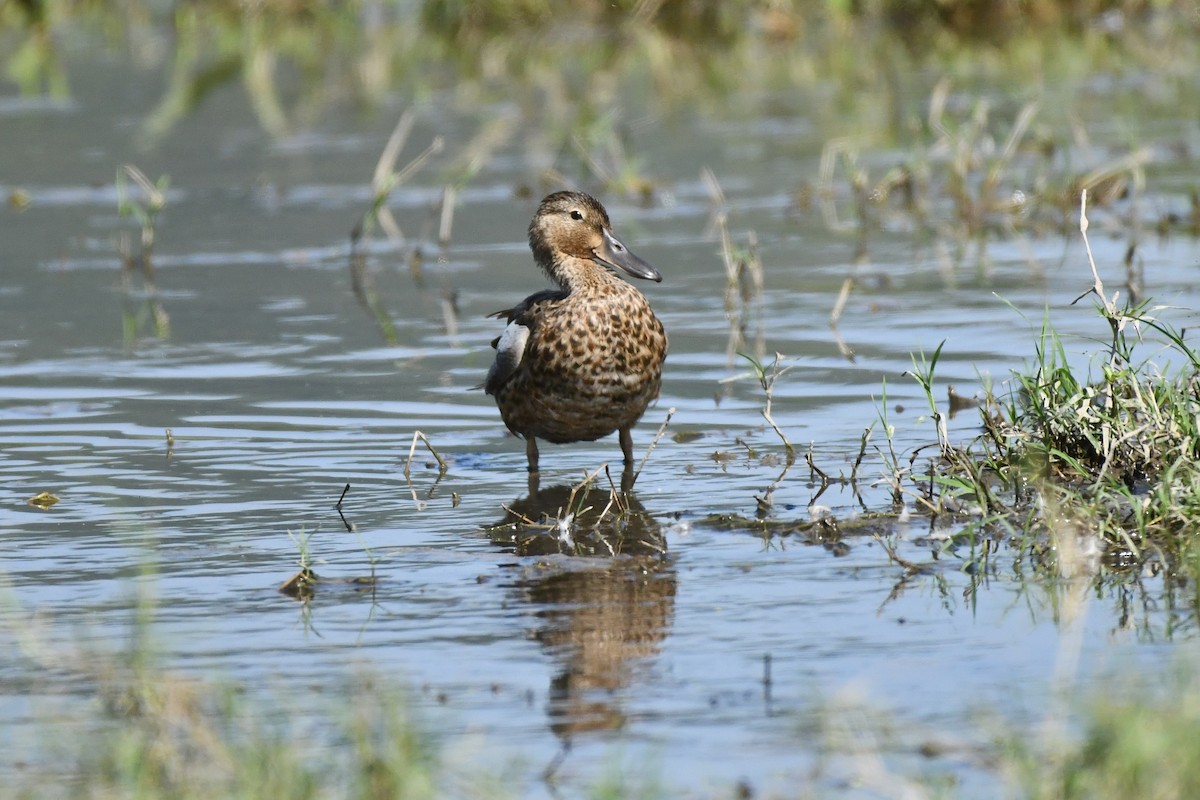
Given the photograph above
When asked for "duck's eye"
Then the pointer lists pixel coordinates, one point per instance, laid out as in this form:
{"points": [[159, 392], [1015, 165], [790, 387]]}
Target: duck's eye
{"points": [[575, 214]]}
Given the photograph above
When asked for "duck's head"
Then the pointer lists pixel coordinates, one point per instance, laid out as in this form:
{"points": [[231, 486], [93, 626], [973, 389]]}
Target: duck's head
{"points": [[572, 228]]}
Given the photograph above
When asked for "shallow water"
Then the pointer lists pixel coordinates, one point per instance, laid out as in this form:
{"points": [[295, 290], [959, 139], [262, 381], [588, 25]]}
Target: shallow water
{"points": [[279, 389]]}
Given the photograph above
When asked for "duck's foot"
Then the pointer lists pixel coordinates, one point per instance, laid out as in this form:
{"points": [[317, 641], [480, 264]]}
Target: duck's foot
{"points": [[627, 478]]}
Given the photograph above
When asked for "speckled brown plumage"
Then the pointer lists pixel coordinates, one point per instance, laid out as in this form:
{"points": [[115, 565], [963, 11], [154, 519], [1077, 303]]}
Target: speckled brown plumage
{"points": [[584, 360]]}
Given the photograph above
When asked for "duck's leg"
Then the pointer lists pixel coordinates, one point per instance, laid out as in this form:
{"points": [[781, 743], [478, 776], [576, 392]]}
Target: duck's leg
{"points": [[627, 447], [531, 453]]}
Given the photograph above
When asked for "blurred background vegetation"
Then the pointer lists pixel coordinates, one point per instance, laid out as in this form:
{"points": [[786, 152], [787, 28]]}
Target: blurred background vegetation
{"points": [[301, 59]]}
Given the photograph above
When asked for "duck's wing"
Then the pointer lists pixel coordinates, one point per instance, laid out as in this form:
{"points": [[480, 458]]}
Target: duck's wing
{"points": [[510, 345], [523, 308]]}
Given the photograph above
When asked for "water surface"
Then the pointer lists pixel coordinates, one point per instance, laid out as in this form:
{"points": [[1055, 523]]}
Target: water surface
{"points": [[279, 388]]}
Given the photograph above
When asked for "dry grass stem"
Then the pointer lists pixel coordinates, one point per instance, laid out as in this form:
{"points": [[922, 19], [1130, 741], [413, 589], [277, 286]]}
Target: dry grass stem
{"points": [[383, 179], [812, 465], [441, 462], [1110, 306], [862, 451], [712, 186], [840, 304], [442, 466], [835, 315], [662, 429], [446, 222]]}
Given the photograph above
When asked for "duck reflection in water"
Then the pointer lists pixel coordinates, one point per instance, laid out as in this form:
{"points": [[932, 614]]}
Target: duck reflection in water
{"points": [[603, 591]]}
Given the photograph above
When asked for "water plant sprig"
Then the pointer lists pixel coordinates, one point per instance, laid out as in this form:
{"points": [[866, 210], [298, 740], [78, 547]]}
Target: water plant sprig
{"points": [[145, 211]]}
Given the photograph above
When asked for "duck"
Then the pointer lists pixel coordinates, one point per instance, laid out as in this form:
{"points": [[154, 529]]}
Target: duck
{"points": [[584, 359]]}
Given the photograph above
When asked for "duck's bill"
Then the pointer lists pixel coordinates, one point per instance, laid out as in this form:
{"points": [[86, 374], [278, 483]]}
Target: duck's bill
{"points": [[618, 256]]}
